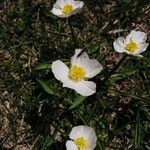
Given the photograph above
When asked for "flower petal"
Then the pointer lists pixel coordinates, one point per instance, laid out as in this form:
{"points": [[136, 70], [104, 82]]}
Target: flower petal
{"points": [[76, 11], [75, 60], [76, 132], [142, 47], [119, 45], [89, 148], [77, 7], [93, 68], [69, 84], [85, 88], [138, 55], [60, 3], [69, 1], [78, 4], [57, 12], [137, 36], [85, 132], [70, 145], [92, 138], [82, 60], [60, 70]]}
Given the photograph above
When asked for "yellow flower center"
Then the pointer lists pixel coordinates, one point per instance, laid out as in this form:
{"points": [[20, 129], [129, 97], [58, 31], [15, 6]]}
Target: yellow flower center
{"points": [[131, 46], [81, 143], [77, 73], [67, 9]]}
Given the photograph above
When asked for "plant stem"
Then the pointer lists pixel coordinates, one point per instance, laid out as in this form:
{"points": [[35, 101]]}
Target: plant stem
{"points": [[72, 33]]}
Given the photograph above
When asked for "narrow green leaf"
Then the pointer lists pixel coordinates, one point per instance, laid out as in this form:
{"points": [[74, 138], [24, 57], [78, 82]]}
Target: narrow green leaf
{"points": [[46, 87], [47, 66], [43, 66], [100, 146], [78, 101], [137, 136], [48, 142], [122, 75]]}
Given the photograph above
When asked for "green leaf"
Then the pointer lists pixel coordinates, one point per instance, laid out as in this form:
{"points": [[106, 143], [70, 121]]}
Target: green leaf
{"points": [[78, 101], [137, 136], [46, 87], [99, 145], [43, 66], [122, 75], [48, 142], [47, 66]]}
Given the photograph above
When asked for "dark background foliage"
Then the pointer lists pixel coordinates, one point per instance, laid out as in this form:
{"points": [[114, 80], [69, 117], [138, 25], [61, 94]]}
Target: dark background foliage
{"points": [[34, 108]]}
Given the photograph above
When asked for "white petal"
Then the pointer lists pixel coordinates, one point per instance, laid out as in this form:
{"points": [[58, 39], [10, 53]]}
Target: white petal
{"points": [[137, 36], [75, 59], [76, 132], [89, 148], [78, 4], [76, 11], [90, 135], [70, 2], [119, 45], [85, 88], [58, 12], [142, 47], [57, 8], [70, 145], [138, 55], [81, 60], [85, 132], [60, 70], [92, 138], [60, 3], [93, 68], [77, 7], [69, 84]]}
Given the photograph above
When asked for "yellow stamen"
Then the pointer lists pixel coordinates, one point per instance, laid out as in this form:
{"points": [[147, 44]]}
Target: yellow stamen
{"points": [[81, 143], [77, 73], [131, 46], [67, 9]]}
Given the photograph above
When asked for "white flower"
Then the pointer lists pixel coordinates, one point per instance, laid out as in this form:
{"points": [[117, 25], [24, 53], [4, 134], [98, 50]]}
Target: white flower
{"points": [[133, 44], [66, 8], [75, 77], [82, 138]]}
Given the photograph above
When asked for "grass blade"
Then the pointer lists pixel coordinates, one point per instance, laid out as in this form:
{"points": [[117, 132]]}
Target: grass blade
{"points": [[77, 101], [45, 86], [43, 67], [137, 136], [48, 142]]}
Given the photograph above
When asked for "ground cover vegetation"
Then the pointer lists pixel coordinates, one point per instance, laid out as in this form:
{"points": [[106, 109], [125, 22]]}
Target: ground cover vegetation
{"points": [[37, 112]]}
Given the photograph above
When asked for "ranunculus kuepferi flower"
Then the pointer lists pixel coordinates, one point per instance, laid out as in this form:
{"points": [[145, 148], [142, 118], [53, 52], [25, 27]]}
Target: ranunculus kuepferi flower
{"points": [[82, 138], [66, 8], [75, 77], [133, 44]]}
